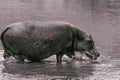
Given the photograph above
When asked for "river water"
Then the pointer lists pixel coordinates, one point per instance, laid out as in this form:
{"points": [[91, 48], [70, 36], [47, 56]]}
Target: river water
{"points": [[101, 18]]}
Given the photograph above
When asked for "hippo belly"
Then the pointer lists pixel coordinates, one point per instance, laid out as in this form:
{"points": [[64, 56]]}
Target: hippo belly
{"points": [[36, 40]]}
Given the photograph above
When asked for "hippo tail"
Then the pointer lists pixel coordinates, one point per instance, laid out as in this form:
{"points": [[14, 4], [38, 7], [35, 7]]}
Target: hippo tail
{"points": [[2, 34], [6, 50]]}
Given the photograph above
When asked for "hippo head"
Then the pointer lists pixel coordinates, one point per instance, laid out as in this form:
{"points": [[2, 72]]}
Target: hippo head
{"points": [[86, 45]]}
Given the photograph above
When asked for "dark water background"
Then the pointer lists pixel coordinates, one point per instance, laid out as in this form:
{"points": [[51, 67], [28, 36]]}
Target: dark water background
{"points": [[101, 18]]}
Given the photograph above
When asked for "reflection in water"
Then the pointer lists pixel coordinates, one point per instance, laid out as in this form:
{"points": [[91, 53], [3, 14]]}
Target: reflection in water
{"points": [[48, 68]]}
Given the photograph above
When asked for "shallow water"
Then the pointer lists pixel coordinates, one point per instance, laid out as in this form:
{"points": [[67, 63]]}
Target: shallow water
{"points": [[101, 18]]}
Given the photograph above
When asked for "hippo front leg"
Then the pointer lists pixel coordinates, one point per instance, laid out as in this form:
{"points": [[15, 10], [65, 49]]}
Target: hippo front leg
{"points": [[59, 57], [71, 55]]}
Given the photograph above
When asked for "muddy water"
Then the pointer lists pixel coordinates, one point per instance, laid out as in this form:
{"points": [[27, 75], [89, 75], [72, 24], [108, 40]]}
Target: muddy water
{"points": [[101, 18]]}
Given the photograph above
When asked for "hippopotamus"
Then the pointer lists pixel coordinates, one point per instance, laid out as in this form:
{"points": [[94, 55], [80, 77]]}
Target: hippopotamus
{"points": [[37, 40]]}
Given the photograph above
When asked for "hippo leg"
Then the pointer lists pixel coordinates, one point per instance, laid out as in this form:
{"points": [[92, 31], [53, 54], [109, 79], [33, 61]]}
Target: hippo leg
{"points": [[6, 55], [59, 57], [70, 54]]}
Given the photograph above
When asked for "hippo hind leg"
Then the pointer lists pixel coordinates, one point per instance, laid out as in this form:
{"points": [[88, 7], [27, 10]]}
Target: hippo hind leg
{"points": [[6, 55]]}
